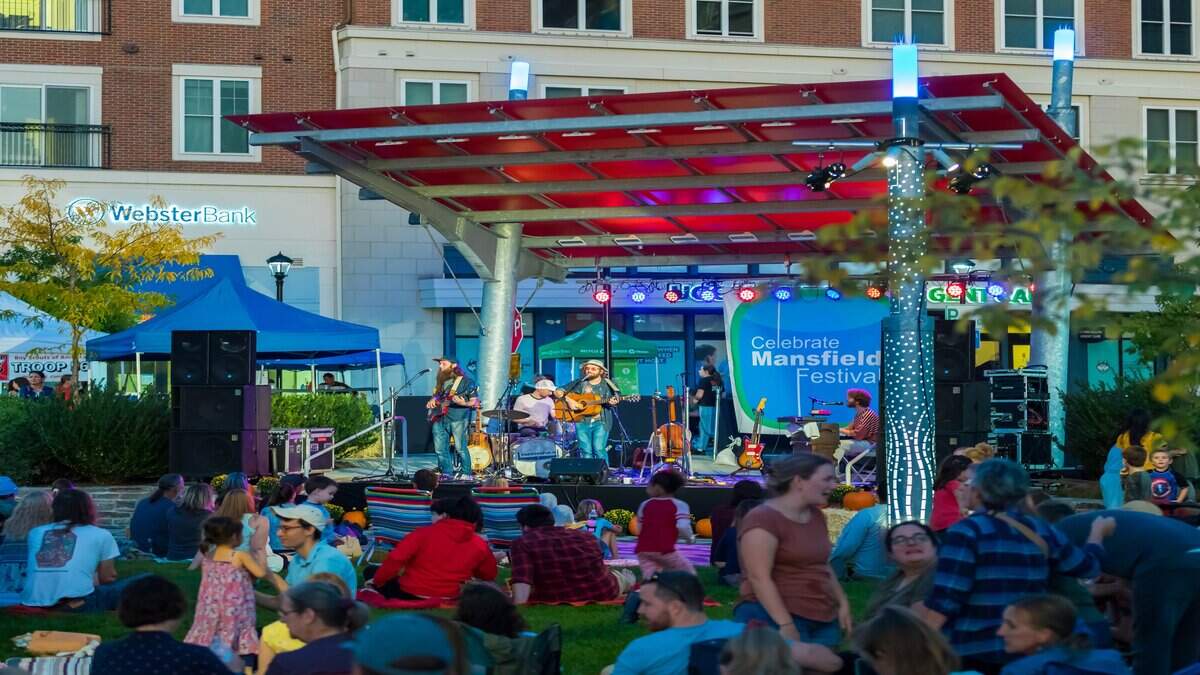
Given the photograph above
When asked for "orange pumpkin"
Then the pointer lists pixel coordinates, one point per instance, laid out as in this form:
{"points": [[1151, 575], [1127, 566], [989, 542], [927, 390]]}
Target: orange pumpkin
{"points": [[704, 528], [857, 501], [356, 517], [633, 526]]}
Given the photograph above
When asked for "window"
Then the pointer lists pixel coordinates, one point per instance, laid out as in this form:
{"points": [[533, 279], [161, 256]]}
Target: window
{"points": [[449, 12], [724, 18], [428, 92], [216, 11], [557, 91], [920, 21], [205, 94], [1030, 24], [1171, 141], [46, 126], [607, 16], [1167, 27], [1075, 119]]}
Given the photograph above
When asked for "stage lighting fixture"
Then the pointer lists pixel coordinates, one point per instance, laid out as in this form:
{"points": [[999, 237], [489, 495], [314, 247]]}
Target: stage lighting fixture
{"points": [[638, 295], [747, 294], [962, 182], [997, 289], [822, 178], [833, 293], [876, 289], [708, 294], [673, 295], [602, 294], [956, 290], [782, 293]]}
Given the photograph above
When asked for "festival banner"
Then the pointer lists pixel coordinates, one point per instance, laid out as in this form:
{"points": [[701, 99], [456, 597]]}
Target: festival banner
{"points": [[801, 351]]}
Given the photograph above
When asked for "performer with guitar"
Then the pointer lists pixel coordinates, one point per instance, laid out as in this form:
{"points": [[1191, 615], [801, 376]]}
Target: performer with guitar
{"points": [[450, 412], [592, 429], [705, 398]]}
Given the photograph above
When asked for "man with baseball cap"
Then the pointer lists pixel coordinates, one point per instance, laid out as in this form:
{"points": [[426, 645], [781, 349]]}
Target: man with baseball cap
{"points": [[539, 405], [300, 529], [592, 432], [450, 411]]}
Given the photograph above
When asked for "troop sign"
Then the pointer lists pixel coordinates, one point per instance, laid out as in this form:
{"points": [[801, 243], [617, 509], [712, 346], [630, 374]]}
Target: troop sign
{"points": [[795, 353]]}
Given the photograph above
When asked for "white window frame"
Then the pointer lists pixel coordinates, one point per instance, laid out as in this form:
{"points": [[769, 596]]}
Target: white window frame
{"points": [[1002, 49], [253, 7], [437, 89], [187, 71], [947, 27], [626, 22], [91, 78], [467, 24], [1137, 34], [586, 89], [1171, 140], [759, 23]]}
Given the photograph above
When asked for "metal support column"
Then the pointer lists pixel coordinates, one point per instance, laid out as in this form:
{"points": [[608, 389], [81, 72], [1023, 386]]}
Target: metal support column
{"points": [[908, 342], [1052, 297], [499, 297]]}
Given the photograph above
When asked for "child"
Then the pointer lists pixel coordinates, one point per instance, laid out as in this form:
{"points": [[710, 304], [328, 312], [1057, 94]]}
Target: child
{"points": [[321, 490], [225, 615], [725, 558], [1041, 630], [1135, 481], [1166, 486], [663, 519], [590, 514], [238, 506], [426, 479], [946, 509], [284, 495]]}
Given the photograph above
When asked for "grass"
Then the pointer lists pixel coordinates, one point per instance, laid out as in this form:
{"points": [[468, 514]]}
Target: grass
{"points": [[592, 638]]}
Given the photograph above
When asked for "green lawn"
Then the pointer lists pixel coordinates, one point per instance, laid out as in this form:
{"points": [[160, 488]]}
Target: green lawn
{"points": [[592, 638]]}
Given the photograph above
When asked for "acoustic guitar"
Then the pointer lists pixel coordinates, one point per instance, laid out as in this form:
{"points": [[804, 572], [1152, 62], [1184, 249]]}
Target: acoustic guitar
{"points": [[752, 448], [672, 441], [573, 407], [479, 446]]}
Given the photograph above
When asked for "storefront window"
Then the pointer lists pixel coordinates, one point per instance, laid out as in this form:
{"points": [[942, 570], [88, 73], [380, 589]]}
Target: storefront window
{"points": [[656, 374], [710, 323], [658, 323]]}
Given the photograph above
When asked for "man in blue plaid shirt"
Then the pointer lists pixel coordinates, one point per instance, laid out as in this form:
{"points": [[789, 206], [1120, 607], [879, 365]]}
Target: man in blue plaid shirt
{"points": [[996, 556]]}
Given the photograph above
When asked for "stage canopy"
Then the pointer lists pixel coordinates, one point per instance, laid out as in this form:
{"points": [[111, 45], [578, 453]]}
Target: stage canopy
{"points": [[589, 344], [674, 178], [283, 331], [357, 361], [23, 329]]}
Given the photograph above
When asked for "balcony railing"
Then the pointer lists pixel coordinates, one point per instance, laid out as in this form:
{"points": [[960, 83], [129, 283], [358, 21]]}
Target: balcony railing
{"points": [[74, 146], [56, 16]]}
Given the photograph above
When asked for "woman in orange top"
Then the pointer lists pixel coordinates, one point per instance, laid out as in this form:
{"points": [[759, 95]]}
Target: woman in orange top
{"points": [[1137, 426]]}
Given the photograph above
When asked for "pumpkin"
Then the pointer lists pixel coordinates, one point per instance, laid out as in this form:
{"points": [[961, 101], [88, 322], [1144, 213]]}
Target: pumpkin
{"points": [[857, 501], [704, 528], [357, 518], [633, 526]]}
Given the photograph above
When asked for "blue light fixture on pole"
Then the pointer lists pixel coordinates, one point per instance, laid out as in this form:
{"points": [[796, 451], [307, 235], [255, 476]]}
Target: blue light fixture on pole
{"points": [[518, 81], [907, 342]]}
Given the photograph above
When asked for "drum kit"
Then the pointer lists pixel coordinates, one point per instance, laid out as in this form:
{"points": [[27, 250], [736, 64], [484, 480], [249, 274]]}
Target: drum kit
{"points": [[526, 455]]}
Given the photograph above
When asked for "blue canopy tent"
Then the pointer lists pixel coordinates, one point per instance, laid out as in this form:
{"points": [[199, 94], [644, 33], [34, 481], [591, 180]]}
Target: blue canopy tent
{"points": [[357, 361]]}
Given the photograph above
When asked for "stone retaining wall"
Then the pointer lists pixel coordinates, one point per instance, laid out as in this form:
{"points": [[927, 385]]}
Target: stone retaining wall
{"points": [[114, 504]]}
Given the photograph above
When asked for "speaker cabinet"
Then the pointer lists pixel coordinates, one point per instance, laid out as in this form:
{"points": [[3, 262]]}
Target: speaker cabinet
{"points": [[220, 408], [953, 352], [189, 357], [578, 470], [203, 454], [961, 407], [231, 356]]}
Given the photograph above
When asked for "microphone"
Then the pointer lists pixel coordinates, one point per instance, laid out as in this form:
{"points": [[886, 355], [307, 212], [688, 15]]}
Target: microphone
{"points": [[424, 371]]}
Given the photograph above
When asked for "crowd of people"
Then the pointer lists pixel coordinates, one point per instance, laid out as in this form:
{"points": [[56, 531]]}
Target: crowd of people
{"points": [[1002, 580]]}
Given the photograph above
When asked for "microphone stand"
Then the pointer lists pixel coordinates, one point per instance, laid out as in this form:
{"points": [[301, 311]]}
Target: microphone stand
{"points": [[385, 423]]}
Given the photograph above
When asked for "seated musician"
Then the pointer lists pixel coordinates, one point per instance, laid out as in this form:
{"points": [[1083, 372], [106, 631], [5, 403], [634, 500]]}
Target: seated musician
{"points": [[539, 405], [863, 431], [592, 432]]}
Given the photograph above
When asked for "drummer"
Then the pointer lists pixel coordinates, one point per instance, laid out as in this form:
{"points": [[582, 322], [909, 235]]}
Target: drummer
{"points": [[539, 405]]}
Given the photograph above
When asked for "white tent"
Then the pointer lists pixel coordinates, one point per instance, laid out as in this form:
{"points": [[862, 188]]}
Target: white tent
{"points": [[24, 329]]}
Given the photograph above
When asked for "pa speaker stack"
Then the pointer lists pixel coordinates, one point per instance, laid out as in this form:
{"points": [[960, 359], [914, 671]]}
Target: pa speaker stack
{"points": [[219, 417]]}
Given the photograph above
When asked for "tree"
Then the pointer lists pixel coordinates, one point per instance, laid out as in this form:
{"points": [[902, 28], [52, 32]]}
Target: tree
{"points": [[71, 266]]}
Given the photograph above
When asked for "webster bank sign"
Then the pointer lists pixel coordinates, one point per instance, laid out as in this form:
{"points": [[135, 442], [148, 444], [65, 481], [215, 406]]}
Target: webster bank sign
{"points": [[89, 211]]}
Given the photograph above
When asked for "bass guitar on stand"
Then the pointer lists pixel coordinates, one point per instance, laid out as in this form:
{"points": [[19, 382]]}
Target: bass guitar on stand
{"points": [[752, 448]]}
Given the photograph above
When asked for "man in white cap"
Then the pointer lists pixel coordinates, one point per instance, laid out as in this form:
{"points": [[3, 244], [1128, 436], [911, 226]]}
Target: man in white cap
{"points": [[300, 529], [539, 405], [592, 432]]}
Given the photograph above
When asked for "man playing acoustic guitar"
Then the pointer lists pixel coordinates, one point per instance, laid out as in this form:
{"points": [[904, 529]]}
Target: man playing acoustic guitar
{"points": [[450, 411], [592, 432]]}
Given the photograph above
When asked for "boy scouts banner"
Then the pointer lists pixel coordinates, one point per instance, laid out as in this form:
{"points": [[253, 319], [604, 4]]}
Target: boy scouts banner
{"points": [[796, 351]]}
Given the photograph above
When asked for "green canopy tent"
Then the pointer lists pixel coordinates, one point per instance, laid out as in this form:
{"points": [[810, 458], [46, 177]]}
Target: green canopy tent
{"points": [[588, 343]]}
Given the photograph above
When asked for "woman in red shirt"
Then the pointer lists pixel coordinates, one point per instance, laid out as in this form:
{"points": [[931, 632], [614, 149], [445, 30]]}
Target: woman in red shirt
{"points": [[946, 509], [436, 560]]}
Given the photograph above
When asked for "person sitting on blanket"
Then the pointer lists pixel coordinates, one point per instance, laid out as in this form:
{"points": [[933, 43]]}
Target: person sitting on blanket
{"points": [[300, 530], [436, 560], [556, 564], [277, 639]]}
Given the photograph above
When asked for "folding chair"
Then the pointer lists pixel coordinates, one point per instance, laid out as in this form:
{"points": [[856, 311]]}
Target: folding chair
{"points": [[394, 513], [860, 468], [500, 506]]}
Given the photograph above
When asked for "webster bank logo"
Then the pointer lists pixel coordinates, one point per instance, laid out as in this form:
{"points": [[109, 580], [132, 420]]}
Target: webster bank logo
{"points": [[89, 212]]}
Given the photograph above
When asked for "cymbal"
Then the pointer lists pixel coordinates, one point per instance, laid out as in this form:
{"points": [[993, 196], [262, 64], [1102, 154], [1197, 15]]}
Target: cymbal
{"points": [[502, 414]]}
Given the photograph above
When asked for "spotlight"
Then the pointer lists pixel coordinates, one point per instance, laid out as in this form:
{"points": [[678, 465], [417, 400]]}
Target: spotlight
{"points": [[638, 296], [602, 294], [890, 161], [876, 289], [997, 290], [747, 294], [962, 266], [782, 293], [673, 295], [821, 178], [707, 294], [956, 290], [833, 293], [962, 181]]}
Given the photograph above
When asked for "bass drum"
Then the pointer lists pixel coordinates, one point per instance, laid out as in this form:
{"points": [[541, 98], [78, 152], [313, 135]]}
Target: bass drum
{"points": [[532, 457]]}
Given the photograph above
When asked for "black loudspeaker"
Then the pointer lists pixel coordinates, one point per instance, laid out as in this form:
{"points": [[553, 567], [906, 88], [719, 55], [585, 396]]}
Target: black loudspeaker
{"points": [[202, 454], [578, 470], [953, 352], [189, 357], [231, 356], [961, 406], [219, 408]]}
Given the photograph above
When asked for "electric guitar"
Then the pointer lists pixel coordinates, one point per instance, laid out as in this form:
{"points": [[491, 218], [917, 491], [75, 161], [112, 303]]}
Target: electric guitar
{"points": [[572, 407], [752, 449], [479, 446], [441, 400]]}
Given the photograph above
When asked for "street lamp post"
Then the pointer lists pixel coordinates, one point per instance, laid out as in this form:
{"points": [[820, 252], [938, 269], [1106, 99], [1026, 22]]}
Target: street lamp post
{"points": [[280, 265]]}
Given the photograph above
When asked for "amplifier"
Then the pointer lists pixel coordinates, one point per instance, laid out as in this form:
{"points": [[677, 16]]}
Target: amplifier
{"points": [[287, 450], [578, 470]]}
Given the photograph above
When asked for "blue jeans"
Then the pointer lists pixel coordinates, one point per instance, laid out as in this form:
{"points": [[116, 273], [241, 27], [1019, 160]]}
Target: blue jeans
{"points": [[106, 597], [443, 429], [708, 418], [827, 633], [593, 439]]}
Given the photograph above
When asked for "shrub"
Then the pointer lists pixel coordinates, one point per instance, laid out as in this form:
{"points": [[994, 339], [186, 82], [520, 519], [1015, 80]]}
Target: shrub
{"points": [[265, 487], [839, 493], [619, 517], [346, 415], [335, 512], [218, 482], [21, 452]]}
